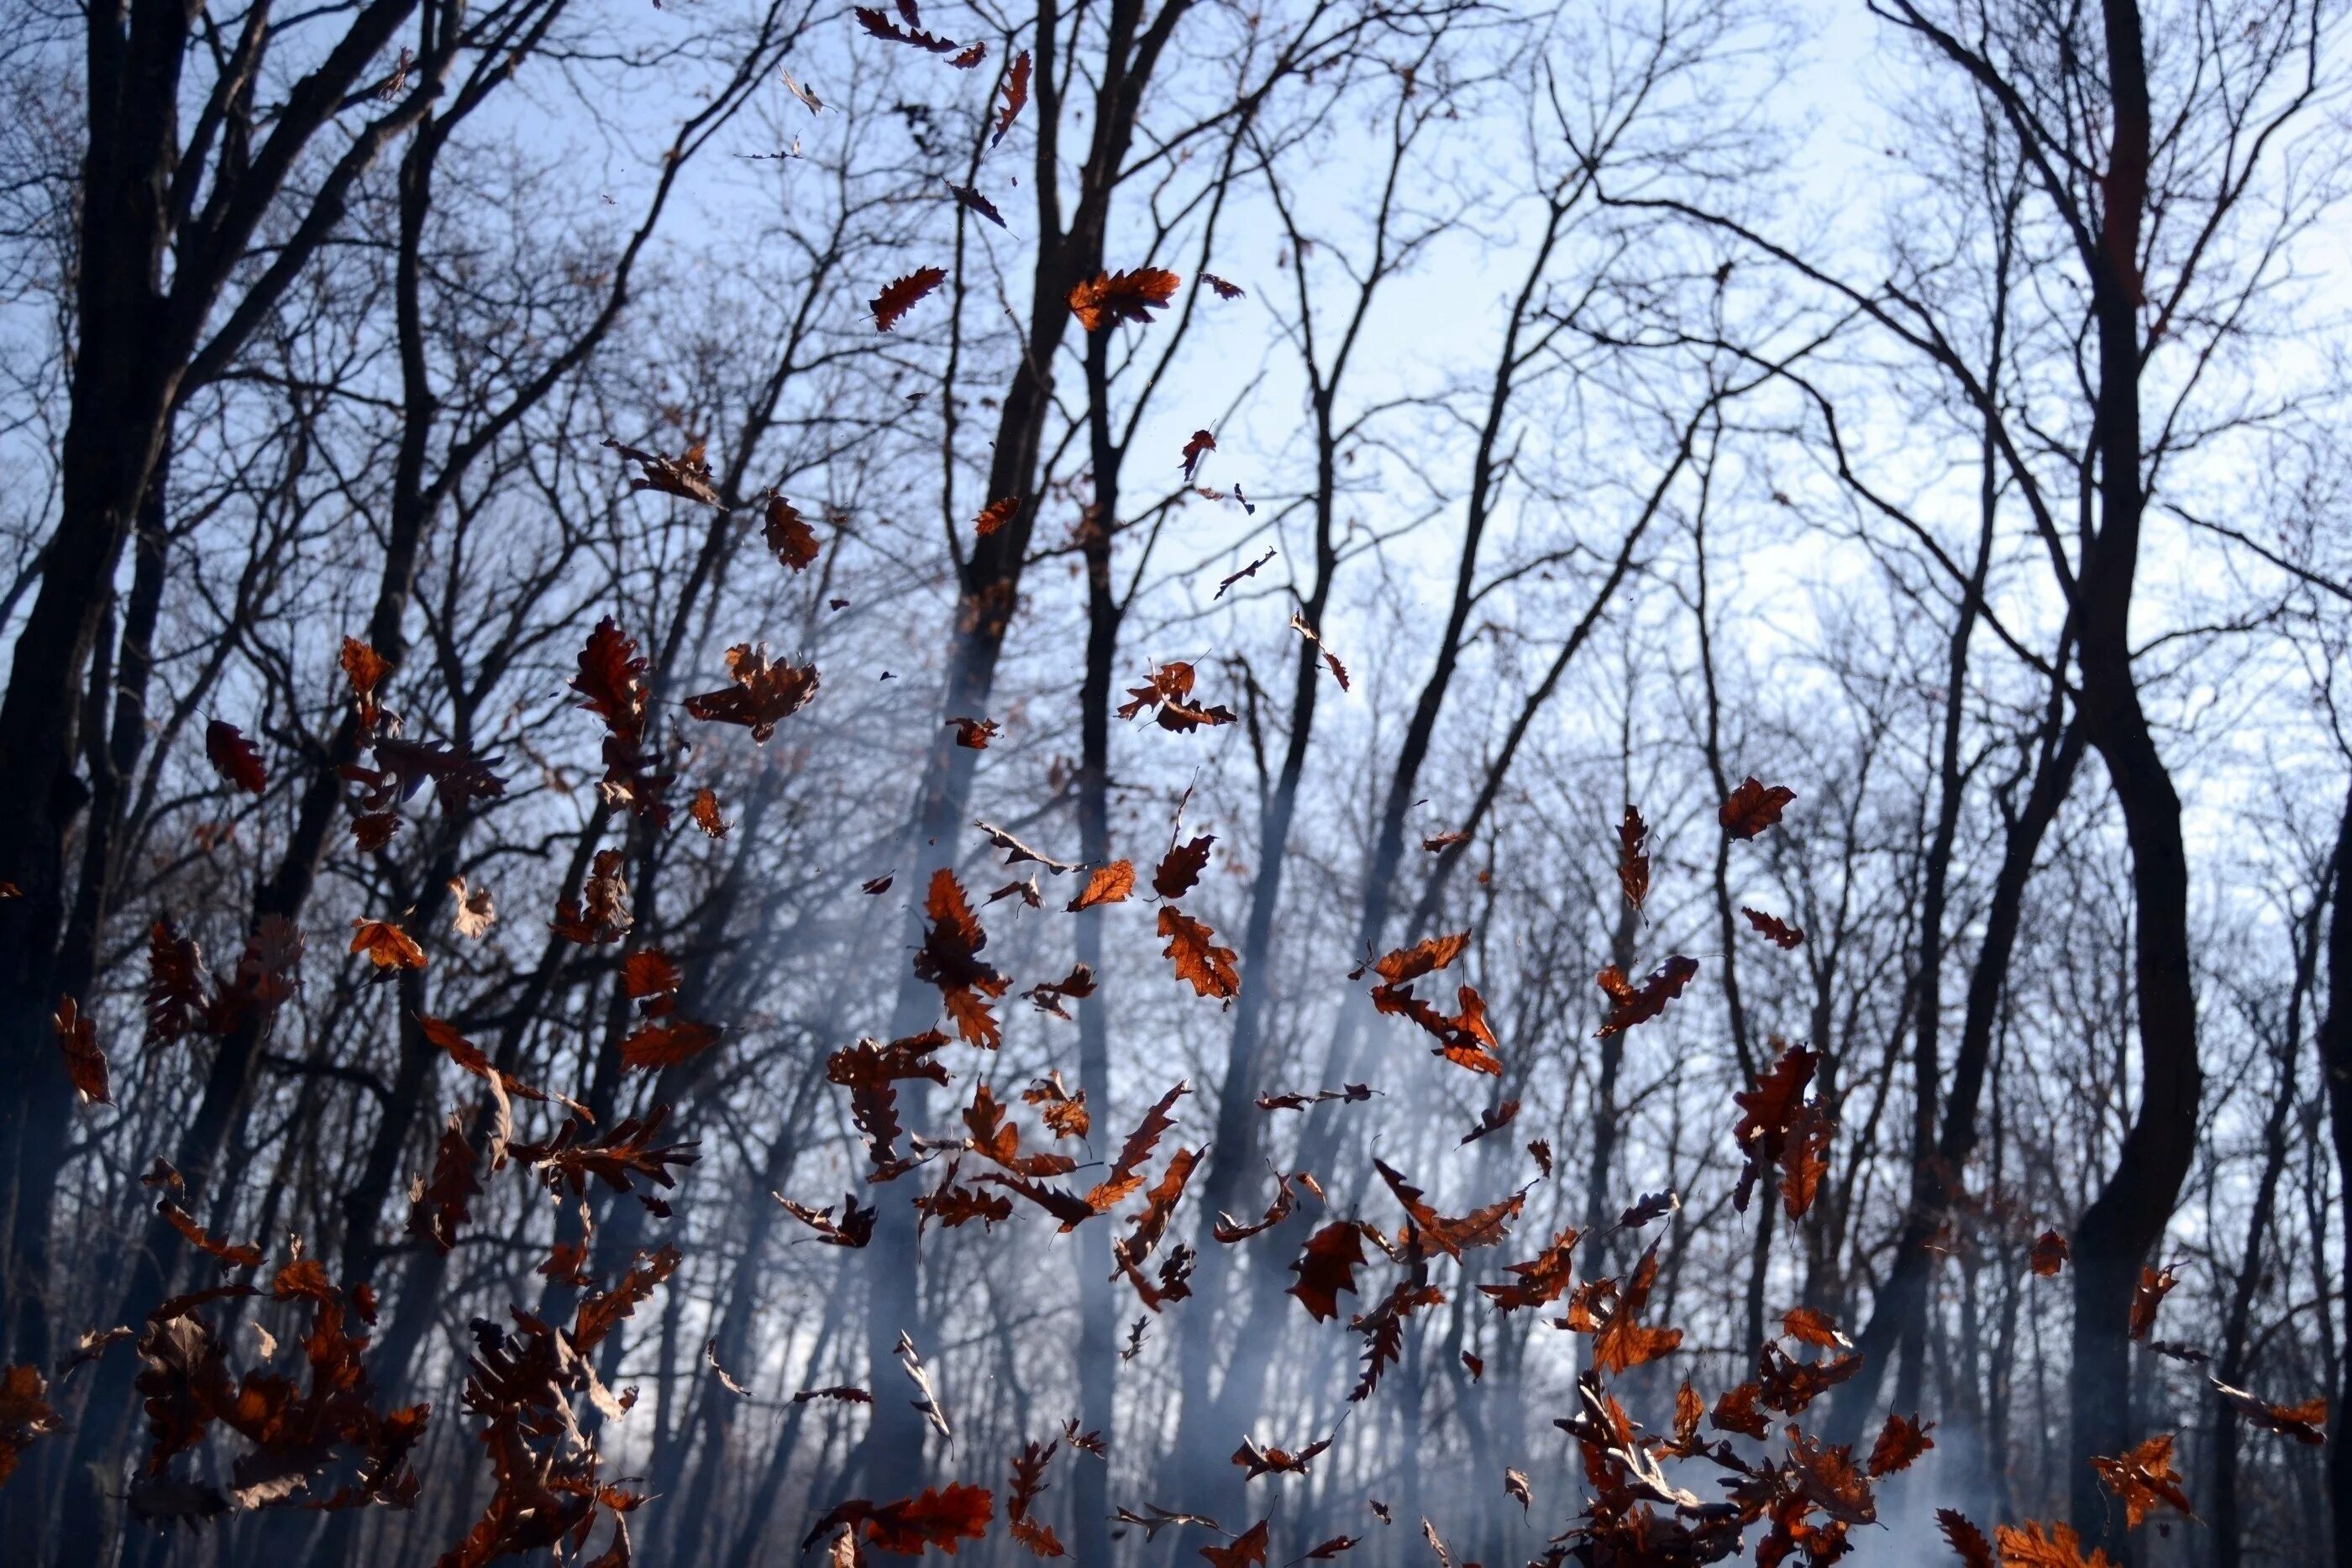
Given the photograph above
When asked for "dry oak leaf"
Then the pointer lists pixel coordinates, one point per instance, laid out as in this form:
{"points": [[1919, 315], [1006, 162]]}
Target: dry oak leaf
{"points": [[764, 695], [1111, 298], [1199, 962], [1541, 1279], [472, 911], [25, 1413], [704, 810], [1201, 444], [899, 295], [1633, 858], [386, 946], [1773, 929], [1126, 1174], [2025, 1546], [2048, 1255], [973, 734], [939, 1516], [2144, 1479], [1967, 1541], [1105, 884], [365, 669], [1753, 808], [2155, 1284], [949, 958], [1169, 689], [789, 534], [1048, 997], [2303, 1422], [1180, 869], [1812, 1326], [1326, 1266], [1231, 578], [856, 1227], [667, 1042], [1622, 1341], [995, 514], [1248, 1548], [234, 757], [1630, 1004], [1900, 1441], [1016, 94], [229, 1254], [85, 1062], [686, 476]]}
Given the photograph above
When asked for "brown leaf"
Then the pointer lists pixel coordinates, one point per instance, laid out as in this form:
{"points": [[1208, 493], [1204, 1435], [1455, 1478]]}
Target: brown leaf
{"points": [[856, 1227], [704, 810], [2144, 1479], [1900, 1441], [1225, 290], [1967, 1541], [472, 911], [1541, 1279], [1752, 808], [1249, 1548], [1016, 94], [386, 946], [1493, 1119], [1633, 858], [1622, 1341], [2302, 1422], [1326, 1266], [85, 1062], [995, 514], [1105, 884], [234, 757], [1812, 1326], [229, 1254], [1181, 868], [1201, 444], [1773, 929], [789, 535], [764, 695], [365, 669], [1199, 961], [2048, 1255], [686, 476], [1111, 298], [2155, 1284], [1630, 1004], [899, 295], [25, 1413]]}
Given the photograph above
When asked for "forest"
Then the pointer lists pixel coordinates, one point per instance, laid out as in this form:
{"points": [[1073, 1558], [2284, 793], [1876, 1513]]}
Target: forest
{"points": [[1438, 782]]}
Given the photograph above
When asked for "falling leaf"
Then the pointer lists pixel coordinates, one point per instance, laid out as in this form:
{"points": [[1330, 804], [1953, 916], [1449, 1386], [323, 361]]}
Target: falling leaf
{"points": [[1231, 578], [1493, 1119], [1967, 1541], [1630, 1004], [1248, 1548], [2049, 1256], [85, 1062], [234, 757], [473, 913], [789, 535], [899, 296], [1752, 808], [2144, 1479], [686, 476], [1773, 929], [1109, 298], [1225, 290], [1199, 961], [704, 810], [1201, 444], [1808, 1325], [856, 1227], [1016, 94], [1327, 1266], [1180, 869], [1105, 884], [764, 695], [1900, 1442], [1514, 1486], [995, 514], [1622, 1341], [386, 946], [972, 201], [2155, 1284], [1633, 858], [25, 1413], [2302, 1422], [973, 734]]}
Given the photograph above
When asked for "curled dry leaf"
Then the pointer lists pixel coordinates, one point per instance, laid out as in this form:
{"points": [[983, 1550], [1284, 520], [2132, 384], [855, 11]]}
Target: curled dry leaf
{"points": [[1180, 869], [1200, 444], [472, 912], [686, 476], [2155, 1284], [1773, 929], [789, 535], [704, 810], [2144, 1479], [1633, 858], [900, 294], [2048, 1255], [1225, 290], [1753, 808], [2305, 1422], [1109, 298], [1016, 94], [1900, 1441], [995, 514], [1630, 1004], [235, 757], [765, 693], [1207, 968], [388, 947], [973, 734], [85, 1062]]}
